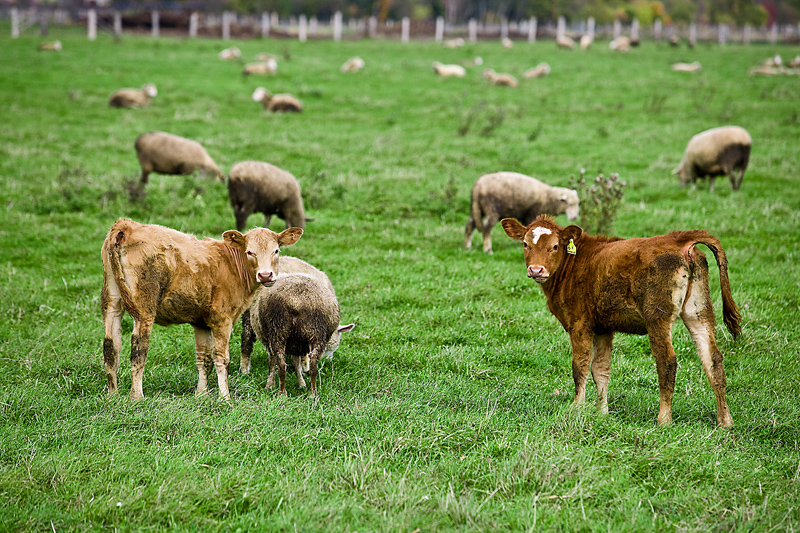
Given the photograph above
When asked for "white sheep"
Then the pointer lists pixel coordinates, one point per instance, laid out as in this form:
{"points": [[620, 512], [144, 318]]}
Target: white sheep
{"points": [[354, 64], [449, 70], [507, 43], [454, 43], [474, 62], [54, 46], [716, 152], [687, 67], [133, 97], [620, 44], [514, 195], [230, 54], [165, 153], [542, 69], [277, 102], [258, 187], [502, 79], [586, 41], [566, 42], [269, 66]]}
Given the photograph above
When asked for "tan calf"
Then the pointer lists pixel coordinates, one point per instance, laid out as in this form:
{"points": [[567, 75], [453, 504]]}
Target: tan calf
{"points": [[597, 286], [162, 276]]}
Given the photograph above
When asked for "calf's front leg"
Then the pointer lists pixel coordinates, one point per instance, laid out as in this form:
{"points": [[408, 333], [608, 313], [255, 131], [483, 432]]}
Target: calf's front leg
{"points": [[222, 337], [581, 359], [601, 368]]}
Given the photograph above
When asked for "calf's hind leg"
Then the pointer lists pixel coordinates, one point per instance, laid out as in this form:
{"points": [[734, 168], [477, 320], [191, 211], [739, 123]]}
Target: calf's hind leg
{"points": [[140, 343], [698, 316], [204, 350], [112, 310]]}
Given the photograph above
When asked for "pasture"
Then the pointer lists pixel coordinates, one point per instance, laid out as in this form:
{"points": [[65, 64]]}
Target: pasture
{"points": [[448, 407]]}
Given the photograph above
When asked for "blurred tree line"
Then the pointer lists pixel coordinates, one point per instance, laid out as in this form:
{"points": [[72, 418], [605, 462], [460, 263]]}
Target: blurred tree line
{"points": [[735, 12]]}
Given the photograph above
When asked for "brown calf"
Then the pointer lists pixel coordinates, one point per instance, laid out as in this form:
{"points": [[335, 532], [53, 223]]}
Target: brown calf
{"points": [[163, 276], [596, 286]]}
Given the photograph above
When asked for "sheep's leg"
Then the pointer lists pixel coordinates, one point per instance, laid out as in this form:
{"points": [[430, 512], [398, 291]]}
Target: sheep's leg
{"points": [[280, 356], [112, 310], [488, 223], [267, 218], [145, 174], [248, 338], [711, 184], [468, 231], [222, 336], [739, 181], [298, 367], [241, 219], [204, 349], [601, 368], [140, 343], [313, 368]]}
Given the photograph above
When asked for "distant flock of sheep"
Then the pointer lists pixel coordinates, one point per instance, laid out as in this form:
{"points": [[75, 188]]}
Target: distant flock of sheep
{"points": [[296, 312]]}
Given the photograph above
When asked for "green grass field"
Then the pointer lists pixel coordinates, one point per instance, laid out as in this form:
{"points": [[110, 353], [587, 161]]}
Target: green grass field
{"points": [[448, 408]]}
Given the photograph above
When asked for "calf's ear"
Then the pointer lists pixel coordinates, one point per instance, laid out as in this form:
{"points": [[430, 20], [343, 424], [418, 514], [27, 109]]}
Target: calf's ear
{"points": [[234, 238], [571, 232], [513, 228], [289, 236]]}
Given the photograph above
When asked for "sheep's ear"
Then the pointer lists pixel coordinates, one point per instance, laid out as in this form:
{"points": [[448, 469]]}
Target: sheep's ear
{"points": [[513, 228], [234, 238], [676, 171], [343, 329], [289, 236]]}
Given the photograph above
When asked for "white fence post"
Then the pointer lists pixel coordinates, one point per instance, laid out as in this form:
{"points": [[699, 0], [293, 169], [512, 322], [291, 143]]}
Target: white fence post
{"points": [[405, 29], [194, 19], [617, 29], [590, 27], [14, 22], [746, 34], [692, 34], [635, 30], [155, 24], [313, 26], [439, 29], [337, 26], [91, 21], [117, 24], [561, 29], [532, 28], [657, 29], [302, 29], [472, 30], [504, 28], [372, 27], [722, 36], [226, 25]]}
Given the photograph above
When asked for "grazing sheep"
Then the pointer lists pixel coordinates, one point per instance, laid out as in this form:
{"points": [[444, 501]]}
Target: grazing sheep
{"points": [[507, 43], [503, 79], [767, 70], [454, 43], [354, 64], [133, 97], [586, 41], [775, 61], [269, 66], [687, 67], [299, 316], [55, 46], [449, 70], [565, 42], [794, 63], [542, 69], [263, 56], [169, 154], [254, 186], [277, 102], [514, 195], [230, 54], [620, 44], [476, 62], [674, 40], [716, 152]]}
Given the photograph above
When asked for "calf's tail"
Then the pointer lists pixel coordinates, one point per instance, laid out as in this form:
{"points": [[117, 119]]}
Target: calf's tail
{"points": [[730, 311], [114, 242]]}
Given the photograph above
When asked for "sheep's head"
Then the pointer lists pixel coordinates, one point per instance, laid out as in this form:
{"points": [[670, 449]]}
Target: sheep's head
{"points": [[569, 203], [150, 90], [683, 174], [262, 95]]}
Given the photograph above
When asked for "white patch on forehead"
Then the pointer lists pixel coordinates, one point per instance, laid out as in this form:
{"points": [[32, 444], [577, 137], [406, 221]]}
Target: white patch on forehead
{"points": [[538, 232]]}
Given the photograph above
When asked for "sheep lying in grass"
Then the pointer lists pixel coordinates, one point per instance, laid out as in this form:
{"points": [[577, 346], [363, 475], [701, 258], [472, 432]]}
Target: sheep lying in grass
{"points": [[449, 70], [716, 152], [298, 316], [687, 67], [277, 102], [514, 195], [503, 79], [542, 69], [169, 154], [254, 186], [230, 54], [354, 64], [54, 46], [565, 42], [454, 43], [269, 66], [133, 97], [475, 62]]}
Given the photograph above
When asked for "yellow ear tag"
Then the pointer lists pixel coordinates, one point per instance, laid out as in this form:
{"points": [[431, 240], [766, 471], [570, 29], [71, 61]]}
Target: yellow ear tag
{"points": [[571, 249]]}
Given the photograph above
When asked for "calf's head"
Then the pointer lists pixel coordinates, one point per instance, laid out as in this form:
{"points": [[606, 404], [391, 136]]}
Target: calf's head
{"points": [[262, 249], [545, 244]]}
